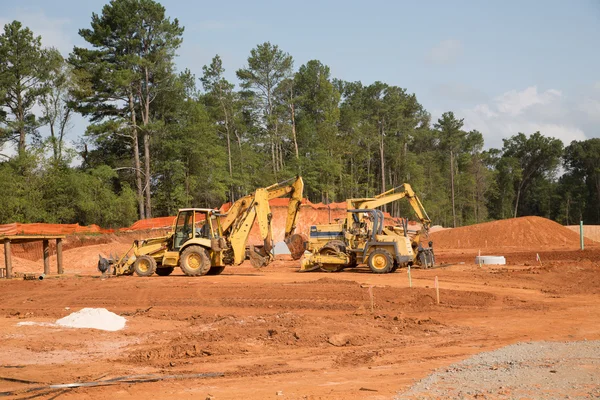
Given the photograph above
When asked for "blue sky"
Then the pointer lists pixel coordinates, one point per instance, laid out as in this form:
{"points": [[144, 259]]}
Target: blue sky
{"points": [[505, 66]]}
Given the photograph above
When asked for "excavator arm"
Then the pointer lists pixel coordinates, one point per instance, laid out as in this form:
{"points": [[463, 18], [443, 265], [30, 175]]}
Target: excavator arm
{"points": [[397, 193], [240, 218]]}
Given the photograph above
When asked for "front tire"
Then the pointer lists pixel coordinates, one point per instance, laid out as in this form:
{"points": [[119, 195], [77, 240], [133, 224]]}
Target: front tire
{"points": [[165, 271], [380, 261], [194, 261], [144, 266], [215, 271]]}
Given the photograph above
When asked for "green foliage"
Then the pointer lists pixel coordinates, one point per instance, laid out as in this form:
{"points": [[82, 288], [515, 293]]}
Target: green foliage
{"points": [[40, 191], [208, 146], [24, 70]]}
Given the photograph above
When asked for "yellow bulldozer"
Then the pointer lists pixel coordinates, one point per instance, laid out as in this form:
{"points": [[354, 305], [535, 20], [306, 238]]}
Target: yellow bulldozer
{"points": [[364, 238], [203, 241]]}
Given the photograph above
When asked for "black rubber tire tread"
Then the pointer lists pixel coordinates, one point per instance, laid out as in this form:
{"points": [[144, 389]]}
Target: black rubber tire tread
{"points": [[215, 271], [184, 261], [335, 245], [144, 259], [165, 271], [380, 253], [330, 248]]}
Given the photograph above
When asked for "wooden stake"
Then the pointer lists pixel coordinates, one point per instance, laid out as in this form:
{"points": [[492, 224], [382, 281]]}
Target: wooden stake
{"points": [[437, 290], [46, 247], [59, 256], [409, 278], [7, 259]]}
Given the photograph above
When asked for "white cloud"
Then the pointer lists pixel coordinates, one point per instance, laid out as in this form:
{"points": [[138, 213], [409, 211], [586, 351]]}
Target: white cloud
{"points": [[529, 110], [515, 103], [445, 52], [592, 108], [53, 31]]}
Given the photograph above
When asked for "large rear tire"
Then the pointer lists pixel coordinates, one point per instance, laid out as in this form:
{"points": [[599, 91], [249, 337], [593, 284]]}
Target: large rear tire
{"points": [[380, 261], [194, 261], [215, 271], [144, 266], [165, 271]]}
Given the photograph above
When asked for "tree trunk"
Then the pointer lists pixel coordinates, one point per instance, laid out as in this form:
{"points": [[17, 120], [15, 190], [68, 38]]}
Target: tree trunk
{"points": [[144, 94], [273, 157], [54, 143], [382, 158], [227, 131], [136, 158], [63, 127], [147, 167], [21, 119], [452, 186], [517, 201], [568, 201], [293, 112]]}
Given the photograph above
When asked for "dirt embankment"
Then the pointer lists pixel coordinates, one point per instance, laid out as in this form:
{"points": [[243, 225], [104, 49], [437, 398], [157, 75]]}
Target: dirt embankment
{"points": [[591, 232], [526, 233]]}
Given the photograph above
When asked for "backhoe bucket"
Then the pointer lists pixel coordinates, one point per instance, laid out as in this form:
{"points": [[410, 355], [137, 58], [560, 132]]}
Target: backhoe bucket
{"points": [[104, 264], [296, 245], [259, 258]]}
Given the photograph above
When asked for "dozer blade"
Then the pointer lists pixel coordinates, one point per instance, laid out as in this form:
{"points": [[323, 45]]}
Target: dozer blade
{"points": [[296, 245]]}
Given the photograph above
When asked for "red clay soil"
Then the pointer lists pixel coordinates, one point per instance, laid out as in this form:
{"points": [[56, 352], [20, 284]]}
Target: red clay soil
{"points": [[517, 233], [589, 231], [279, 334]]}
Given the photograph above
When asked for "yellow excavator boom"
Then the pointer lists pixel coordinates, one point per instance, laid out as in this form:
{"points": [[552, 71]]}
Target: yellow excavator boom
{"points": [[238, 221], [397, 193]]}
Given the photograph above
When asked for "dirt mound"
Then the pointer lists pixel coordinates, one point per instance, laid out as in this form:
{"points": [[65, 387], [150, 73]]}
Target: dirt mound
{"points": [[589, 231], [523, 232]]}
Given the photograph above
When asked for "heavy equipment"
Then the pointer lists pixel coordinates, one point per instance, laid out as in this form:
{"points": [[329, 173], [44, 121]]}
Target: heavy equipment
{"points": [[363, 237], [203, 241]]}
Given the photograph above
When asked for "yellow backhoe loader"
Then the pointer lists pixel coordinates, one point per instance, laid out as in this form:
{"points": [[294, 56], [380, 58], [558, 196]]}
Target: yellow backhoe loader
{"points": [[204, 241], [363, 237]]}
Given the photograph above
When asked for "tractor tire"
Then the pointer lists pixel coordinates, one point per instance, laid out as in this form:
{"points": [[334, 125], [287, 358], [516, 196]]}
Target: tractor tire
{"points": [[215, 271], [144, 266], [332, 248], [380, 261], [194, 261], [165, 271]]}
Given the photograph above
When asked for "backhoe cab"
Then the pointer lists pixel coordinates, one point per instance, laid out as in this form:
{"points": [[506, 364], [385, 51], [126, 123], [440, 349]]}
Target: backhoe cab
{"points": [[363, 238]]}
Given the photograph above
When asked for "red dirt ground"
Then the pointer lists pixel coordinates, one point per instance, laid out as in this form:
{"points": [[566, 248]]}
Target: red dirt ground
{"points": [[308, 335], [302, 335]]}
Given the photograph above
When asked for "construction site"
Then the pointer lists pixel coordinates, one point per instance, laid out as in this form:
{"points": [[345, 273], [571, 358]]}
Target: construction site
{"points": [[362, 330]]}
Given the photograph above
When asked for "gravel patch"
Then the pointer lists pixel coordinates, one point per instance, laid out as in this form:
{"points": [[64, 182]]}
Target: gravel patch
{"points": [[534, 370]]}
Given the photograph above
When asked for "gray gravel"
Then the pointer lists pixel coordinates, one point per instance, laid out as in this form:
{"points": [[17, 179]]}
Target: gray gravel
{"points": [[535, 370]]}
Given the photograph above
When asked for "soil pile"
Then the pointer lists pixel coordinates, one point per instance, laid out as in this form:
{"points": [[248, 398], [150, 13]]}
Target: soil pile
{"points": [[523, 232], [589, 231]]}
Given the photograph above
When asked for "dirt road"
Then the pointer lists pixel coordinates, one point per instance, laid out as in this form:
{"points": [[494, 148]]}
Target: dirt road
{"points": [[279, 334]]}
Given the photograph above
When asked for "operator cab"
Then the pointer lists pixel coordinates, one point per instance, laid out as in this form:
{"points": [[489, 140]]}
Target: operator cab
{"points": [[195, 223]]}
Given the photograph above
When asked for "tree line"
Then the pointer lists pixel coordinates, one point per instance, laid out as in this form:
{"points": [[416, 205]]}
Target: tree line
{"points": [[159, 139]]}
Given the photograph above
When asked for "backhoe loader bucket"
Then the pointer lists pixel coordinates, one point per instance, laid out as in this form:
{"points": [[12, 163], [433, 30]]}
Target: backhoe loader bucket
{"points": [[115, 265], [104, 264], [259, 258], [296, 245]]}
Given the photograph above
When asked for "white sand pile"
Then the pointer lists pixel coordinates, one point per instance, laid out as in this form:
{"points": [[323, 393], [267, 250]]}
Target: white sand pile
{"points": [[95, 318]]}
